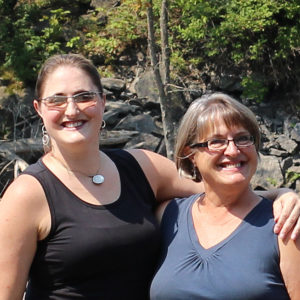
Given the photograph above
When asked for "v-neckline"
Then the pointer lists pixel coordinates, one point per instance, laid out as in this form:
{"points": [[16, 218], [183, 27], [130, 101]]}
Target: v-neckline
{"points": [[206, 252]]}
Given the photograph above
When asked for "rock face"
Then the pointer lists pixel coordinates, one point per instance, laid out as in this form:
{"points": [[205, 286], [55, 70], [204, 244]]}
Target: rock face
{"points": [[133, 120]]}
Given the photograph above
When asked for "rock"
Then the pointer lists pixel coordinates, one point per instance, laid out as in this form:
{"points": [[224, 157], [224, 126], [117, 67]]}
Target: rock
{"points": [[145, 141], [287, 144], [268, 174], [141, 123], [295, 132], [286, 163], [276, 152], [113, 84], [115, 111], [146, 87]]}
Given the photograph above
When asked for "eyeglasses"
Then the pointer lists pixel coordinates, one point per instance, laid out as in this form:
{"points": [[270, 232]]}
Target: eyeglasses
{"points": [[241, 141], [83, 100]]}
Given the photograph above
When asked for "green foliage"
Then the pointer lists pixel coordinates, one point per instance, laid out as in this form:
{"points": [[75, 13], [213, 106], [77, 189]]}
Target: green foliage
{"points": [[292, 176], [261, 37], [31, 32], [126, 25], [254, 89], [272, 181], [257, 39]]}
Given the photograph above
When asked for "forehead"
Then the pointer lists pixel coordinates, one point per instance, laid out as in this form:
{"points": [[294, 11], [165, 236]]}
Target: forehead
{"points": [[219, 127], [66, 79]]}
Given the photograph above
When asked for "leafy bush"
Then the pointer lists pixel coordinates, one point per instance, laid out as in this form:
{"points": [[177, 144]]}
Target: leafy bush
{"points": [[256, 37], [253, 38]]}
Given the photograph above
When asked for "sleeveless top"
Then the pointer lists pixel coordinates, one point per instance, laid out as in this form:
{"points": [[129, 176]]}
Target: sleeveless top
{"points": [[244, 266], [96, 251]]}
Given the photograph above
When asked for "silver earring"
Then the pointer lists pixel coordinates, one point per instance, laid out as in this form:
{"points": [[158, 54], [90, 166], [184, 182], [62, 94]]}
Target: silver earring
{"points": [[103, 125], [45, 138], [194, 175]]}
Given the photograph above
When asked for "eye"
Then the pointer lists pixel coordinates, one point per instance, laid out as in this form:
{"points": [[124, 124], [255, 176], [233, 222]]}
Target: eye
{"points": [[56, 100], [217, 142], [84, 97], [243, 139]]}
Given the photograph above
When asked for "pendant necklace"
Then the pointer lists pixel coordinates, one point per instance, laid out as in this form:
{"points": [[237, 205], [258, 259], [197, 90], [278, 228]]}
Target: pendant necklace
{"points": [[97, 179]]}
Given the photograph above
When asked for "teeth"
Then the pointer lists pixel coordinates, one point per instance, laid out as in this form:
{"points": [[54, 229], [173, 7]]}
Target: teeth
{"points": [[73, 124], [237, 165]]}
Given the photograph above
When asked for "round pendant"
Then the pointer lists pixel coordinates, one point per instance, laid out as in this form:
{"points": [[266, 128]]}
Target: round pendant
{"points": [[98, 179]]}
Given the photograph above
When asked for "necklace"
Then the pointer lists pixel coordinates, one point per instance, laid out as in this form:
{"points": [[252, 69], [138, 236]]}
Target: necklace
{"points": [[96, 179]]}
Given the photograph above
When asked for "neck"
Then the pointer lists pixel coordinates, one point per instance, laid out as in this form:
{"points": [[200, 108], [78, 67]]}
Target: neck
{"points": [[87, 163], [86, 159], [228, 198]]}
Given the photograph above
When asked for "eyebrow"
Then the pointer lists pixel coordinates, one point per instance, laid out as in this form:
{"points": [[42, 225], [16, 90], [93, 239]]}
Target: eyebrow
{"points": [[75, 93], [218, 135]]}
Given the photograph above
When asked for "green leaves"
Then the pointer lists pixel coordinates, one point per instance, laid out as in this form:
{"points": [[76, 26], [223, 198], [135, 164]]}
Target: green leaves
{"points": [[256, 38]]}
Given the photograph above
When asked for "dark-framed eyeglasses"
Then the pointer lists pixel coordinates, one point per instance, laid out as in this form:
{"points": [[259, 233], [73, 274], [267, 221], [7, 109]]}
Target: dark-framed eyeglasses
{"points": [[241, 141], [83, 100]]}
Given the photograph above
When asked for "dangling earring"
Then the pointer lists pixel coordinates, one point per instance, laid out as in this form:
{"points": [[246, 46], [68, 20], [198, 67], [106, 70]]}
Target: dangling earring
{"points": [[45, 138], [103, 125], [194, 175]]}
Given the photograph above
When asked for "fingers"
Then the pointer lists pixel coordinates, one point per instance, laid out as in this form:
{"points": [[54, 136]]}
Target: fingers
{"points": [[296, 231]]}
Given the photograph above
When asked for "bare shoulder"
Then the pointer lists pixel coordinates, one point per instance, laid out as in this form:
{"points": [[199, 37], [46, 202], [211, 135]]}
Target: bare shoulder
{"points": [[24, 190], [25, 197]]}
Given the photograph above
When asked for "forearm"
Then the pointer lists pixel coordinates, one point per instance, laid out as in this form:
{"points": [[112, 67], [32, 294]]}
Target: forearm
{"points": [[273, 194]]}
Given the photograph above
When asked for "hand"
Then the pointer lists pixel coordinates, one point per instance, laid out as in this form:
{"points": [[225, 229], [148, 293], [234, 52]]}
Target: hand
{"points": [[287, 213]]}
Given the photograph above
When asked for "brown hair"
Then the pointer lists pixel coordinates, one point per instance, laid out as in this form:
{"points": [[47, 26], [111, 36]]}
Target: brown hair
{"points": [[75, 60], [199, 121]]}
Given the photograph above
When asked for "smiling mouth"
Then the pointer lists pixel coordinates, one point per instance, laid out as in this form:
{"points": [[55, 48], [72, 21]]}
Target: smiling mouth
{"points": [[231, 165], [73, 124]]}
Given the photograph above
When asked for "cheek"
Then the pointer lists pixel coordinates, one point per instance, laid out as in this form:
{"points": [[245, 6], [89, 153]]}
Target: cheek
{"points": [[94, 112], [51, 116]]}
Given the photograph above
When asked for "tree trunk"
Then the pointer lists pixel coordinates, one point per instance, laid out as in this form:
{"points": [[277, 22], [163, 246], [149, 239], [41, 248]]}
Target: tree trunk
{"points": [[162, 84]]}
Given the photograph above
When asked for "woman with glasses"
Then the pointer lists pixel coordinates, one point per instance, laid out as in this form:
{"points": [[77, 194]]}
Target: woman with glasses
{"points": [[79, 223], [220, 244]]}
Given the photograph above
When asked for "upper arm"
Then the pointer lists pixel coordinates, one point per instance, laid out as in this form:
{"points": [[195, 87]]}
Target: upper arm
{"points": [[21, 213], [163, 176], [289, 265]]}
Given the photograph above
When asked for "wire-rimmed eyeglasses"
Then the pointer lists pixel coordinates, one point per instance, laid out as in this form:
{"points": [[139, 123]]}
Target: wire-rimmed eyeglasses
{"points": [[83, 100], [217, 144]]}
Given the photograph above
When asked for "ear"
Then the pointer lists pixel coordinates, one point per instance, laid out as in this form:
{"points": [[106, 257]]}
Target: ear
{"points": [[36, 105], [103, 102]]}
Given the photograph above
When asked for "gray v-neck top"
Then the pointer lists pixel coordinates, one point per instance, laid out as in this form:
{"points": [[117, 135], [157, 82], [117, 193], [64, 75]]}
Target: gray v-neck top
{"points": [[243, 266]]}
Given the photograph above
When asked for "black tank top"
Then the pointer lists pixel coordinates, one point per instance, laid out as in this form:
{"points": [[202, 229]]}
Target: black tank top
{"points": [[96, 252]]}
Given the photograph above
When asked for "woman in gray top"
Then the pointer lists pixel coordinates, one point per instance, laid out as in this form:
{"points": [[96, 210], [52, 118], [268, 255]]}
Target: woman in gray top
{"points": [[220, 244]]}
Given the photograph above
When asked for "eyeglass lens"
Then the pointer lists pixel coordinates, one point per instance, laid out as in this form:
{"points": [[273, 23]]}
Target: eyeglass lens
{"points": [[241, 141], [82, 100]]}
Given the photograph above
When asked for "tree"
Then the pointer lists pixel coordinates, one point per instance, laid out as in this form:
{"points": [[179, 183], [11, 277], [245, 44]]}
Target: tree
{"points": [[162, 75]]}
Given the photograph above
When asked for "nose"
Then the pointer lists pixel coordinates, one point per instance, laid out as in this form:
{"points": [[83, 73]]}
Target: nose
{"points": [[72, 108], [231, 149]]}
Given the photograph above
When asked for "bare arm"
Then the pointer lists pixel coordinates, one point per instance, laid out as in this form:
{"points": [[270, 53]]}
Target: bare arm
{"points": [[289, 265], [20, 219], [163, 176]]}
